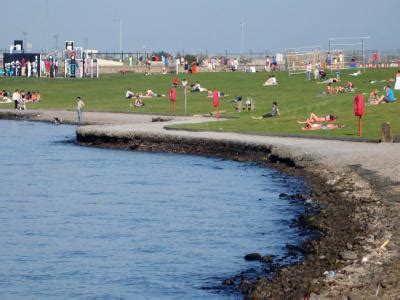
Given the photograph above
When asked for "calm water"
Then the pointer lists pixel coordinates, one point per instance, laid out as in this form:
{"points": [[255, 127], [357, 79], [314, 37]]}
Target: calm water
{"points": [[82, 222]]}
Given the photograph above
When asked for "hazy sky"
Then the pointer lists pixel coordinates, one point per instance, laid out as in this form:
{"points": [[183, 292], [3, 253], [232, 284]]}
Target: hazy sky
{"points": [[199, 25]]}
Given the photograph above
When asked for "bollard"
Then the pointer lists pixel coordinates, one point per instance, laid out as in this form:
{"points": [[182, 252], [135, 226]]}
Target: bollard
{"points": [[385, 133]]}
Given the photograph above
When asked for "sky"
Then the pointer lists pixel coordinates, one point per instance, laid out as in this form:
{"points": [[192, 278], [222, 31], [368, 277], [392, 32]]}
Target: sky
{"points": [[197, 26]]}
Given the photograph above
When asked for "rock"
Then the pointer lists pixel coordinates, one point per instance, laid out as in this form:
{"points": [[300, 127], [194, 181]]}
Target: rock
{"points": [[283, 195], [266, 259], [349, 246], [253, 256], [229, 281], [348, 255]]}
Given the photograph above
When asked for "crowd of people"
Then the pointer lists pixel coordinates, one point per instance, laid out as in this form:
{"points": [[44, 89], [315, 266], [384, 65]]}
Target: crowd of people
{"points": [[35, 68], [20, 98]]}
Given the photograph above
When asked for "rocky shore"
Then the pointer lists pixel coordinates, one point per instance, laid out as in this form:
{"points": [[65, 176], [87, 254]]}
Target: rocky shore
{"points": [[357, 193]]}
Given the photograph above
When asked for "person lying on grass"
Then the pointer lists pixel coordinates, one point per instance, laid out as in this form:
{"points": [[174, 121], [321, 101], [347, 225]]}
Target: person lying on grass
{"points": [[220, 94], [315, 119], [270, 81], [330, 80], [318, 126], [274, 112], [196, 87], [151, 94]]}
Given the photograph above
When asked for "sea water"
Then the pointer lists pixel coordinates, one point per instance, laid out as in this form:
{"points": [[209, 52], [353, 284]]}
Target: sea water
{"points": [[79, 222]]}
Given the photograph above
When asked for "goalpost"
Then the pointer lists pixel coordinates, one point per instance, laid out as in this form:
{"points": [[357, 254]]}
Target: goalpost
{"points": [[298, 58], [346, 53]]}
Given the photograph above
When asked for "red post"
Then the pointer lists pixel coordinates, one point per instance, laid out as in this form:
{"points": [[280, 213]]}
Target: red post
{"points": [[216, 102], [172, 97], [359, 111]]}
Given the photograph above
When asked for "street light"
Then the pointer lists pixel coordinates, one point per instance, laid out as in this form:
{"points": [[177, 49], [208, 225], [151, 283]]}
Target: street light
{"points": [[241, 37], [120, 35]]}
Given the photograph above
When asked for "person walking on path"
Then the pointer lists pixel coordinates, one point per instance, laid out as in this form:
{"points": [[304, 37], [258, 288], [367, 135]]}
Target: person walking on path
{"points": [[79, 107]]}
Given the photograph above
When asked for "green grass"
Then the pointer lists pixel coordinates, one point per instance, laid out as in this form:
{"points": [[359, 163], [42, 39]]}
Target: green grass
{"points": [[296, 98]]}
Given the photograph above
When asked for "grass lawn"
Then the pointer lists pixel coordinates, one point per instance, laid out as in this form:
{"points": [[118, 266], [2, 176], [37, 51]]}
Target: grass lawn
{"points": [[296, 98]]}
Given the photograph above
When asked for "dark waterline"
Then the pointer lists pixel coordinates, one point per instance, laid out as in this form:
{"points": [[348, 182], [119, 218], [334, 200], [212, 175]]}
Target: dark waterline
{"points": [[92, 223]]}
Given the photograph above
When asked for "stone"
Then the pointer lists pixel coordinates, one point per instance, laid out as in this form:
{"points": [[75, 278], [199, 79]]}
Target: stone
{"points": [[386, 136], [348, 255], [266, 259], [253, 256]]}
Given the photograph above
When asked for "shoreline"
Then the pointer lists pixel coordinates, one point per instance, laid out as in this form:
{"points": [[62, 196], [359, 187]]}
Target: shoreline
{"points": [[359, 208]]}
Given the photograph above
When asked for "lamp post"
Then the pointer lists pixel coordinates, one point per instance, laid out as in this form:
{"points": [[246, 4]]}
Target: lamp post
{"points": [[241, 37]]}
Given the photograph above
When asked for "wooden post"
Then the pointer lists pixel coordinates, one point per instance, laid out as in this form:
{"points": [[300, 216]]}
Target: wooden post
{"points": [[386, 136]]}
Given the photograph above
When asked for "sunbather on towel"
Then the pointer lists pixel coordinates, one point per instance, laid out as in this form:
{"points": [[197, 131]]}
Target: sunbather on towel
{"points": [[318, 126], [315, 119]]}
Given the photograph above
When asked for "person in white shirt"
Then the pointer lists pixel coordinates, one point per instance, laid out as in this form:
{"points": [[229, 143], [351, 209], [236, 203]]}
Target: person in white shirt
{"points": [[79, 107], [270, 81], [129, 94], [16, 98]]}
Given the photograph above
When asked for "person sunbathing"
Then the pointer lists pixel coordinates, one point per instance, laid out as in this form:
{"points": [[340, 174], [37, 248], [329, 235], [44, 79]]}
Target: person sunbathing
{"points": [[318, 126], [330, 90], [196, 87], [210, 94], [358, 73], [340, 89], [330, 80], [349, 88], [151, 94], [315, 119], [270, 81]]}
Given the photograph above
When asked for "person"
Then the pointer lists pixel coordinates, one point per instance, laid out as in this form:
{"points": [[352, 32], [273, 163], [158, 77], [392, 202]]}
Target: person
{"points": [[397, 84], [315, 119], [184, 83], [355, 74], [330, 89], [186, 67], [349, 88], [220, 94], [79, 107], [196, 87], [151, 94], [308, 71], [270, 81], [274, 112], [249, 104], [317, 126], [138, 101], [329, 80], [129, 94], [177, 64], [388, 97], [373, 98], [268, 64], [15, 97], [235, 65], [317, 75]]}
